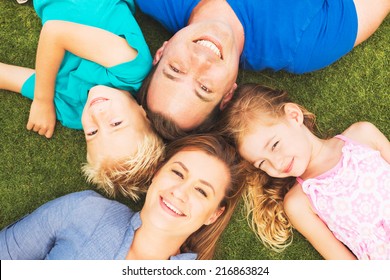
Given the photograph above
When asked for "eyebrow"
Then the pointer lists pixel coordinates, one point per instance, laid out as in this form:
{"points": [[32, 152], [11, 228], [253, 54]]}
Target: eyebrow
{"points": [[200, 180], [176, 79]]}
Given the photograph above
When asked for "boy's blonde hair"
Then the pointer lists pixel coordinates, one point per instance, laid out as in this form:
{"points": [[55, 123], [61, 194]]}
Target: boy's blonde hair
{"points": [[128, 176], [264, 195]]}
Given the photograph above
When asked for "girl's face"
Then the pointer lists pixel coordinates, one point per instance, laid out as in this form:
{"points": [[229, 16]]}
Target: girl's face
{"points": [[186, 192], [281, 149]]}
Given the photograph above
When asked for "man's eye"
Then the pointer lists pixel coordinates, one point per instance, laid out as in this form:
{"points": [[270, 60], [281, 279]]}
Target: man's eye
{"points": [[116, 123], [204, 88], [92, 132], [174, 69]]}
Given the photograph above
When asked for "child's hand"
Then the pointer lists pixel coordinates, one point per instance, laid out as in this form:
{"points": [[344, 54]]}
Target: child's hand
{"points": [[42, 117]]}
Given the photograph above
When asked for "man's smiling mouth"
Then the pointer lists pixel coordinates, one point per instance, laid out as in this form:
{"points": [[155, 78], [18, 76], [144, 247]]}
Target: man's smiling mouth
{"points": [[210, 45]]}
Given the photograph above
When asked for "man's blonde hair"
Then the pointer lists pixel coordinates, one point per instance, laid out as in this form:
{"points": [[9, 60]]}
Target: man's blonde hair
{"points": [[128, 176]]}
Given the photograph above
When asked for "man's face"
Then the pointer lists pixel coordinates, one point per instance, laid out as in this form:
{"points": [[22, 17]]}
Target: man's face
{"points": [[197, 71]]}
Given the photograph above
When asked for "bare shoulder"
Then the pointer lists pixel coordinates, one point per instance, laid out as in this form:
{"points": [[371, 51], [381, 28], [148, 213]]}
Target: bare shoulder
{"points": [[296, 202], [364, 133]]}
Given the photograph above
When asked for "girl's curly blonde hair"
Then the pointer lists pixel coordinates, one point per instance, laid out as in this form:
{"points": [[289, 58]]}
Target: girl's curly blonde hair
{"points": [[263, 195]]}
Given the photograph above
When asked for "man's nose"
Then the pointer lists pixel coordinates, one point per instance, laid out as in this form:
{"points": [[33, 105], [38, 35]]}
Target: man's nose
{"points": [[201, 58]]}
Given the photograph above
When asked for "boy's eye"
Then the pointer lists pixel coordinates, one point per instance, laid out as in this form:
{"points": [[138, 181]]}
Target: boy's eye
{"points": [[92, 132], [274, 145], [201, 191]]}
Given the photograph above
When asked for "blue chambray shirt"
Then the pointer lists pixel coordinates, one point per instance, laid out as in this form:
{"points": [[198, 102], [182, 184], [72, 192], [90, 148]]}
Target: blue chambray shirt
{"points": [[78, 226]]}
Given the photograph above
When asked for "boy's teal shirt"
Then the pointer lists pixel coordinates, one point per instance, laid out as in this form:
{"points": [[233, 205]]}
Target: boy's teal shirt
{"points": [[76, 75]]}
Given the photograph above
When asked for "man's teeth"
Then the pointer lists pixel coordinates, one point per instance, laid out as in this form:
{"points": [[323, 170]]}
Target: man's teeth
{"points": [[211, 46], [170, 206]]}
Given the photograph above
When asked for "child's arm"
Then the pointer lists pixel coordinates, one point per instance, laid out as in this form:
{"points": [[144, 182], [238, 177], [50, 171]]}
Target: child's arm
{"points": [[303, 219], [87, 42], [368, 134]]}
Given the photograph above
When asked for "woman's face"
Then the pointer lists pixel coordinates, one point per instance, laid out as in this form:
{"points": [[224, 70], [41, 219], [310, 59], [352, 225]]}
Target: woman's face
{"points": [[186, 192]]}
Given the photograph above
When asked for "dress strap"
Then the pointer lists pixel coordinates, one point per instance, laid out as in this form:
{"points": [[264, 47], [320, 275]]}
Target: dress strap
{"points": [[342, 137], [300, 180]]}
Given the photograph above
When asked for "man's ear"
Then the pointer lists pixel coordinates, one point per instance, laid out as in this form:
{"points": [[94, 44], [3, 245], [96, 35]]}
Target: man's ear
{"points": [[159, 53], [293, 112], [215, 216], [227, 97]]}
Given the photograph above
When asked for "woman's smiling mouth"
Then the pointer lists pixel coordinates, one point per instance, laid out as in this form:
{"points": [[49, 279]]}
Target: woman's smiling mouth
{"points": [[172, 208]]}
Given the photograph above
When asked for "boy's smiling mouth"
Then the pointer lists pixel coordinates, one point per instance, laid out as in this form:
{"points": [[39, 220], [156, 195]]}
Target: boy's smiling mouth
{"points": [[97, 100]]}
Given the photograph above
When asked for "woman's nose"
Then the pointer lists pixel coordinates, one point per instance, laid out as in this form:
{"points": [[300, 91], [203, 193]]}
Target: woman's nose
{"points": [[181, 191]]}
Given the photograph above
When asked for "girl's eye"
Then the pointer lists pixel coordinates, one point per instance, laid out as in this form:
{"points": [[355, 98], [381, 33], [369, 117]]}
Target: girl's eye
{"points": [[174, 69], [274, 145], [177, 173], [92, 132], [260, 164], [116, 123], [202, 192], [204, 88]]}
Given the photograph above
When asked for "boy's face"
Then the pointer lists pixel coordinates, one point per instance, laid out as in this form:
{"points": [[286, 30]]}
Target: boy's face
{"points": [[113, 123]]}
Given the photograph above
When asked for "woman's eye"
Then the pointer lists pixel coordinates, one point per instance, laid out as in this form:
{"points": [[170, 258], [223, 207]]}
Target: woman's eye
{"points": [[178, 173], [202, 192], [116, 123], [92, 132], [204, 88], [274, 145]]}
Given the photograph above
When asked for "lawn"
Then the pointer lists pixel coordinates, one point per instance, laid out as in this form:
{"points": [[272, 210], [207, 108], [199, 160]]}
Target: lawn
{"points": [[35, 170]]}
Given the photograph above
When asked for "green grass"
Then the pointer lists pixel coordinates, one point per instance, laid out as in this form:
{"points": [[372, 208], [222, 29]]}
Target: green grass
{"points": [[35, 170]]}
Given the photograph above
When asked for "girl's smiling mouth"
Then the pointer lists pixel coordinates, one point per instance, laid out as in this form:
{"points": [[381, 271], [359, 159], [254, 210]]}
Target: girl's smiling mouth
{"points": [[289, 167]]}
